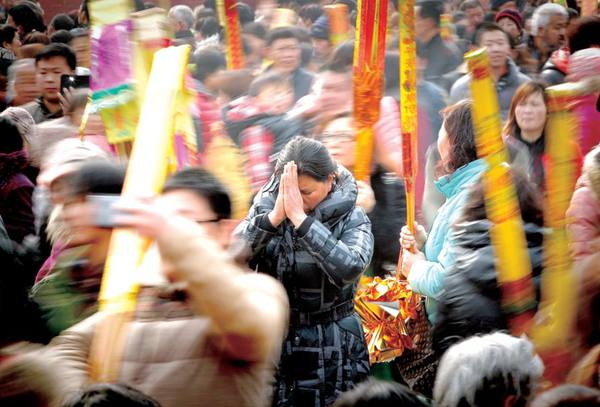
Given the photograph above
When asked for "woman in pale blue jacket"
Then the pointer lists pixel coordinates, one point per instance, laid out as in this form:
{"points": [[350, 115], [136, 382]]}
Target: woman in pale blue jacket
{"points": [[459, 168]]}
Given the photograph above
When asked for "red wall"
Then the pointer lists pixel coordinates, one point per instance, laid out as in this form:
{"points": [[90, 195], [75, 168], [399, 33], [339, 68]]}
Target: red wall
{"points": [[53, 7]]}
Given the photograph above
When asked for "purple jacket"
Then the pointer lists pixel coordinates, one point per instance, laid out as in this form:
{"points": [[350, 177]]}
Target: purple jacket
{"points": [[15, 196]]}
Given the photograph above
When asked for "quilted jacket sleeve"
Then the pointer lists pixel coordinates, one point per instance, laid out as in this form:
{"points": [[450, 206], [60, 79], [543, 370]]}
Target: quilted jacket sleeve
{"points": [[343, 259], [427, 277], [256, 229]]}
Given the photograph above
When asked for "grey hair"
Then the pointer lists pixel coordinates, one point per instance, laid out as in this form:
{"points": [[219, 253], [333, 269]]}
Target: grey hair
{"points": [[468, 365], [12, 75], [182, 13], [542, 15]]}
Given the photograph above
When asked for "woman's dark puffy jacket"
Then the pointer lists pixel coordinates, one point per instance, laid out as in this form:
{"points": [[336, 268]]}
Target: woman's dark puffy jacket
{"points": [[319, 264], [470, 302]]}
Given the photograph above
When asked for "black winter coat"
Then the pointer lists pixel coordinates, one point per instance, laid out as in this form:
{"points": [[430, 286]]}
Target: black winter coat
{"points": [[470, 302], [319, 264]]}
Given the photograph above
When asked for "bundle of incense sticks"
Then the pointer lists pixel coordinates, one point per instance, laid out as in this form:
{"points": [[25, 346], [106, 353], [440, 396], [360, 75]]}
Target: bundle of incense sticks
{"points": [[553, 335], [408, 104], [369, 50], [513, 268], [146, 173]]}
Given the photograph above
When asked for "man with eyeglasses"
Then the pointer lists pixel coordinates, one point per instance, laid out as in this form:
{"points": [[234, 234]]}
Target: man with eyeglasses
{"points": [[283, 49], [204, 332]]}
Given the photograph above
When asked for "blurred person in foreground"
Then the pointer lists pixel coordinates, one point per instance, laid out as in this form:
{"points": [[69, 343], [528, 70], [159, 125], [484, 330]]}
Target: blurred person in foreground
{"points": [[21, 87], [69, 292], [458, 169], [28, 378], [470, 303], [505, 73], [494, 370], [568, 395], [205, 332], [585, 64], [377, 393], [305, 229], [584, 233]]}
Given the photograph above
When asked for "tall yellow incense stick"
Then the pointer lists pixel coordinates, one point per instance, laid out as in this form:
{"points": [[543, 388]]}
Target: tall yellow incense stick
{"points": [[146, 173], [228, 15], [553, 334], [513, 269], [408, 104], [369, 51]]}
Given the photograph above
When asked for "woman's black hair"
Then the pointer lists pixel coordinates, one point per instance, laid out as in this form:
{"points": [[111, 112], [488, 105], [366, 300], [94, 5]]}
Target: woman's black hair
{"points": [[7, 34], [311, 158], [11, 139], [458, 124], [27, 16], [62, 22], [530, 201]]}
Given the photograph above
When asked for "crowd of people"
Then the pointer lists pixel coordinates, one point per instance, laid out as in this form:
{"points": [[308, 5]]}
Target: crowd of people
{"points": [[246, 294]]}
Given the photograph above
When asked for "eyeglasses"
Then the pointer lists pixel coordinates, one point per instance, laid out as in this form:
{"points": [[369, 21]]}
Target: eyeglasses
{"points": [[337, 136], [202, 222]]}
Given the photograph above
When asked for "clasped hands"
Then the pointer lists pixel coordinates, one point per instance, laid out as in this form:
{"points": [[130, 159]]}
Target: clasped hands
{"points": [[411, 246], [289, 204]]}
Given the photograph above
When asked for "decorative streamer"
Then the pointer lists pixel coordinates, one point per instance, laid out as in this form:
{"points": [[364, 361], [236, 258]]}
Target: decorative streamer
{"points": [[408, 104], [387, 307], [554, 331], [228, 15], [339, 23], [146, 174], [513, 267], [368, 77]]}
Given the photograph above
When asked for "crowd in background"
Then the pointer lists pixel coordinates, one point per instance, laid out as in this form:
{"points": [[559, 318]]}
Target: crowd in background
{"points": [[246, 294]]}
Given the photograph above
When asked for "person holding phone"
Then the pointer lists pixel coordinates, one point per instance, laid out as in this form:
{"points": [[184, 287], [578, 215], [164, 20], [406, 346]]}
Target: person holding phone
{"points": [[51, 63], [69, 292]]}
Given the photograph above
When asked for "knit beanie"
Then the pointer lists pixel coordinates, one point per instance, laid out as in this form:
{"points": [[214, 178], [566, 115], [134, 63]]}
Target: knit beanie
{"points": [[320, 28], [513, 15]]}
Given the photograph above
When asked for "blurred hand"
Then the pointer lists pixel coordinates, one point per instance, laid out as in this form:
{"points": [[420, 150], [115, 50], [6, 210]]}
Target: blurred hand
{"points": [[292, 202], [388, 136], [410, 242], [366, 197], [408, 259], [277, 215], [142, 216]]}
